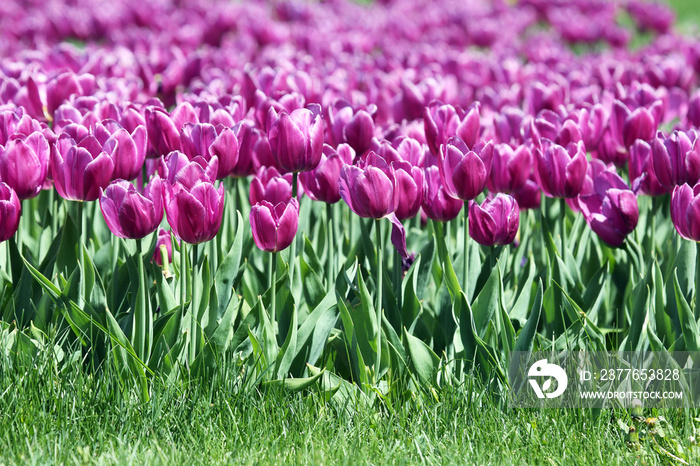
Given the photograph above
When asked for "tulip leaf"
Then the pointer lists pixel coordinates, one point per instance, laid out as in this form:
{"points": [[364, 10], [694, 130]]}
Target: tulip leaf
{"points": [[689, 325], [365, 321], [422, 360], [294, 384], [229, 272], [526, 337], [684, 269], [314, 331], [355, 359], [312, 258], [595, 292], [411, 307], [519, 310], [286, 354], [488, 302], [67, 255], [664, 328], [427, 256]]}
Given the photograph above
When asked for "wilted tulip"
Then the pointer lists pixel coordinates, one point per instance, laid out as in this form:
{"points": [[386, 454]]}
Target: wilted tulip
{"points": [[436, 203], [194, 207], [560, 171], [611, 210], [268, 185], [274, 226], [321, 183], [676, 159], [510, 168], [24, 164], [464, 171], [296, 139], [80, 169], [444, 121], [495, 221], [10, 212], [205, 140], [685, 211], [130, 214]]}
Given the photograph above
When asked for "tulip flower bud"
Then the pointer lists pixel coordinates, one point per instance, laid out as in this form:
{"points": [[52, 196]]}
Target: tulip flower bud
{"points": [[80, 169], [296, 139], [510, 168], [24, 164], [676, 159], [464, 171], [560, 172], [495, 221], [274, 226], [10, 211], [444, 121], [130, 214], [164, 241], [194, 207], [436, 203], [507, 125], [685, 211], [268, 185], [321, 184], [205, 140]]}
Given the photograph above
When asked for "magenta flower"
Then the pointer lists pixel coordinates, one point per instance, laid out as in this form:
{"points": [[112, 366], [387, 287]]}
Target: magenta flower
{"points": [[128, 151], [321, 183], [80, 169], [254, 151], [641, 172], [296, 139], [628, 125], [560, 172], [268, 185], [370, 190], [685, 211], [194, 206], [409, 189], [464, 171], [130, 214], [495, 221], [163, 135], [10, 212], [274, 226], [675, 160], [207, 141], [444, 121], [164, 239], [437, 205], [510, 168], [352, 127], [24, 163]]}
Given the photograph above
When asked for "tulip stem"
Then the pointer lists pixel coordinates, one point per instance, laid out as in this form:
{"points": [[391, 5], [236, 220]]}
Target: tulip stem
{"points": [[183, 276], [562, 203], [193, 308], [115, 268], [380, 280], [398, 278], [697, 275], [465, 253], [330, 245], [140, 315], [273, 289], [293, 248]]}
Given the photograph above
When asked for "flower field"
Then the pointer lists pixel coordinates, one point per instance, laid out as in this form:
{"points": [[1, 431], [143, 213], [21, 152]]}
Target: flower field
{"points": [[354, 212]]}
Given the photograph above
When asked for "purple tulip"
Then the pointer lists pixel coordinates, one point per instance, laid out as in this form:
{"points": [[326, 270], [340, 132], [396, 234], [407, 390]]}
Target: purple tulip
{"points": [[641, 173], [24, 164], [560, 172], [128, 151], [268, 185], [628, 125], [675, 160], [495, 221], [510, 168], [296, 139], [507, 125], [321, 183], [685, 211], [444, 121], [437, 204], [80, 169], [163, 135], [164, 239], [529, 196], [409, 189], [10, 212], [611, 210], [556, 127], [350, 126], [274, 226], [176, 164], [194, 207], [370, 190], [692, 117], [609, 150], [464, 171], [16, 121], [130, 214], [205, 140]]}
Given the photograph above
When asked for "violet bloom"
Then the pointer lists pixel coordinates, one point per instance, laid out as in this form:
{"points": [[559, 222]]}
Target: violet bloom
{"points": [[510, 168], [274, 226], [80, 169], [611, 210], [163, 135], [170, 166], [641, 123], [130, 214], [529, 196], [205, 140], [556, 127], [194, 206], [409, 189], [128, 151], [507, 125], [560, 172], [254, 150], [641, 172], [437, 204], [268, 185], [464, 171], [10, 212], [495, 221], [164, 240], [24, 164], [685, 211], [296, 139], [321, 183], [676, 159], [444, 121], [350, 126]]}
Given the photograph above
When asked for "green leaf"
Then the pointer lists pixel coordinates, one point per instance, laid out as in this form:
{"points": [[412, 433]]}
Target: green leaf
{"points": [[526, 337], [487, 303], [286, 355], [422, 360], [229, 271], [295, 385], [688, 324], [519, 309]]}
